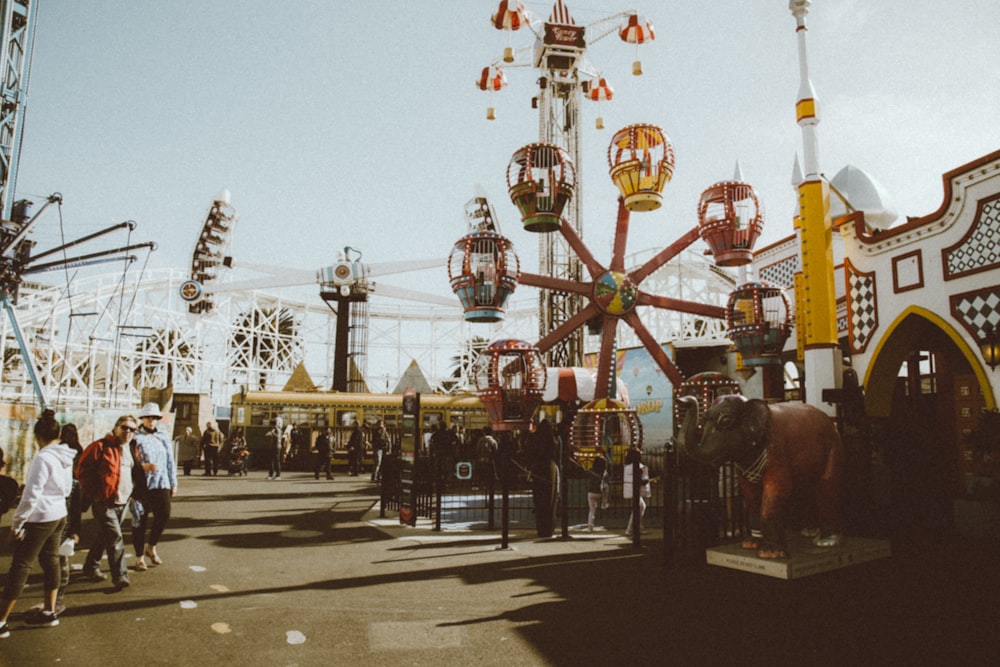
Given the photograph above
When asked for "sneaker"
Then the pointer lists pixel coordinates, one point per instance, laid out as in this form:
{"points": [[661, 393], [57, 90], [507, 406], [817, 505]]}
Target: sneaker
{"points": [[277, 477], [4, 630], [153, 556], [43, 618], [122, 583], [95, 575], [140, 565]]}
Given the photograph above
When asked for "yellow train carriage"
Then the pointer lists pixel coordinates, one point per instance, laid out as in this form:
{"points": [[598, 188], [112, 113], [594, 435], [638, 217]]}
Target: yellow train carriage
{"points": [[310, 412]]}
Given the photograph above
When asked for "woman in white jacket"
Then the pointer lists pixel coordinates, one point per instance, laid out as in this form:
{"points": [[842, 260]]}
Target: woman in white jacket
{"points": [[37, 525]]}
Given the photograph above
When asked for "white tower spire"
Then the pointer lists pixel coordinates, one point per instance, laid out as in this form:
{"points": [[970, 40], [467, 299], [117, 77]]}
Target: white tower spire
{"points": [[815, 297]]}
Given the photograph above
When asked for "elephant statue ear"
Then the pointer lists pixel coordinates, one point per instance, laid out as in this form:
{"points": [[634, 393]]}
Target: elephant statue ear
{"points": [[756, 415]]}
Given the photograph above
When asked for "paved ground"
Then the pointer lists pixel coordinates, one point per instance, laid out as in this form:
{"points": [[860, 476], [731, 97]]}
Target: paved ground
{"points": [[303, 572]]}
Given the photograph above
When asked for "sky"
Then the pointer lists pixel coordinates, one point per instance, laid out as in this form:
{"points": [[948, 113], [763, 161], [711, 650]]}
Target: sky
{"points": [[358, 124]]}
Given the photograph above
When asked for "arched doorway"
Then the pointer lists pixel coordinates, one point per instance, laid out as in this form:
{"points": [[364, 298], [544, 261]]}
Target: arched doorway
{"points": [[921, 391]]}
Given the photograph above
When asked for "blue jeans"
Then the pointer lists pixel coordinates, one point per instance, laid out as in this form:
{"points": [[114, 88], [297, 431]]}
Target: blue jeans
{"points": [[41, 541], [109, 537]]}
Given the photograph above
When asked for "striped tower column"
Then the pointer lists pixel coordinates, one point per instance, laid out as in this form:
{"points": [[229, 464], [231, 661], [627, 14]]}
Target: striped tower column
{"points": [[815, 297]]}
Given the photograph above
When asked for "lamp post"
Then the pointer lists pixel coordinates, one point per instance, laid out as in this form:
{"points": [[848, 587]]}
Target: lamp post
{"points": [[989, 346]]}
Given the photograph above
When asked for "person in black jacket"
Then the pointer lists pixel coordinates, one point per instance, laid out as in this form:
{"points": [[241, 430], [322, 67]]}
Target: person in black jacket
{"points": [[9, 488], [74, 509], [323, 454]]}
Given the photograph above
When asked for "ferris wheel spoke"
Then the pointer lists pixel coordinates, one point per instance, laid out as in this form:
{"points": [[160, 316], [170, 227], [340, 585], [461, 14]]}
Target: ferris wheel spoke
{"points": [[608, 329], [555, 284], [680, 305], [654, 349], [621, 237], [583, 253], [664, 256], [566, 328]]}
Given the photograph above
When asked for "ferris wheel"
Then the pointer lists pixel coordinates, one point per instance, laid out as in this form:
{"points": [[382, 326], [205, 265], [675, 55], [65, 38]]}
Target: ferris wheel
{"points": [[540, 180]]}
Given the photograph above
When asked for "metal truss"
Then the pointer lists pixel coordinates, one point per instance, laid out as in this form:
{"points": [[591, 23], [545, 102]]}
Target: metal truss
{"points": [[101, 341]]}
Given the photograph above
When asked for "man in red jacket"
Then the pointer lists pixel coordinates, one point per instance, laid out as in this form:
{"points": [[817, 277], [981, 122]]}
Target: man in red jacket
{"points": [[105, 474]]}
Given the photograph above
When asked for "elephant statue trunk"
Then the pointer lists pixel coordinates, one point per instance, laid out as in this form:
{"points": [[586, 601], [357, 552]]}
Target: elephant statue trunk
{"points": [[710, 451], [781, 451]]}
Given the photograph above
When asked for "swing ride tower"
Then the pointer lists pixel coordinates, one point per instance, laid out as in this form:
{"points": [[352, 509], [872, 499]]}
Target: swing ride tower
{"points": [[565, 78]]}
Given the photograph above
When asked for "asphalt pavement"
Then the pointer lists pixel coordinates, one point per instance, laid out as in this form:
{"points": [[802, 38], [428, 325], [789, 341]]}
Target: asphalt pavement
{"points": [[305, 572]]}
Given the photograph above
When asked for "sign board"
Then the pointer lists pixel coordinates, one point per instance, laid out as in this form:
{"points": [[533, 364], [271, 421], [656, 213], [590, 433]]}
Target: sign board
{"points": [[409, 449]]}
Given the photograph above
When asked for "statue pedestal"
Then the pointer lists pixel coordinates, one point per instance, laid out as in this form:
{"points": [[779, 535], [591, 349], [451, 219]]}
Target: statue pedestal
{"points": [[806, 558]]}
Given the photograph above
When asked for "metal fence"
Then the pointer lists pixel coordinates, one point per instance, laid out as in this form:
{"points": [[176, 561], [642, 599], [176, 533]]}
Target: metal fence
{"points": [[694, 506]]}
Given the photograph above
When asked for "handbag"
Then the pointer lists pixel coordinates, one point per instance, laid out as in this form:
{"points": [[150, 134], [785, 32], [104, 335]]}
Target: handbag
{"points": [[139, 487]]}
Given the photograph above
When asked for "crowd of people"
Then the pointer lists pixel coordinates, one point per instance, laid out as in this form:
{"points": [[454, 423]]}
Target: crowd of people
{"points": [[130, 470], [133, 470]]}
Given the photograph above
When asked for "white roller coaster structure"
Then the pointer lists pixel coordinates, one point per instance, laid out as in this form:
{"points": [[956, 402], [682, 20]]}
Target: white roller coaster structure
{"points": [[98, 342]]}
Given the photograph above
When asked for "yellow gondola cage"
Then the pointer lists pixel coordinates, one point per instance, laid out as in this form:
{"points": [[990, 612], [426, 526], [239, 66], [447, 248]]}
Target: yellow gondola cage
{"points": [[641, 159], [541, 179], [604, 427], [510, 381]]}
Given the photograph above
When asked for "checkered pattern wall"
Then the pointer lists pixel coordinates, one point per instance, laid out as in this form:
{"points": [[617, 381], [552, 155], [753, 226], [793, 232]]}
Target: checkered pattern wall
{"points": [[977, 309], [980, 249], [781, 273], [862, 307]]}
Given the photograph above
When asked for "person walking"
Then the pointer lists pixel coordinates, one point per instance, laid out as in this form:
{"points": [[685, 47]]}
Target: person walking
{"points": [[74, 510], [276, 443], [9, 488], [105, 474], [632, 457], [323, 454], [211, 442], [597, 489], [380, 443], [188, 450], [154, 453], [355, 449], [38, 521], [544, 476]]}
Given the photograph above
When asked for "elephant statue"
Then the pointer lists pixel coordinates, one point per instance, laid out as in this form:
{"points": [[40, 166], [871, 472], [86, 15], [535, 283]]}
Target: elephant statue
{"points": [[782, 452]]}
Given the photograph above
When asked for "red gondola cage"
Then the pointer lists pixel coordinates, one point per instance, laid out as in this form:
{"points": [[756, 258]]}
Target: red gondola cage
{"points": [[706, 387], [541, 179], [483, 269], [641, 159], [730, 220], [605, 427], [759, 321], [510, 380]]}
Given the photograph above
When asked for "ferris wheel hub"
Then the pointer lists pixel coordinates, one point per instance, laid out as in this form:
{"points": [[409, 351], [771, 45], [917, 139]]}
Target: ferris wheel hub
{"points": [[615, 293]]}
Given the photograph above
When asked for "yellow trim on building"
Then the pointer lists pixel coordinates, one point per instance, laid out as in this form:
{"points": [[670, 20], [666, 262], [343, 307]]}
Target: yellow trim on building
{"points": [[805, 109], [970, 355], [818, 310]]}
